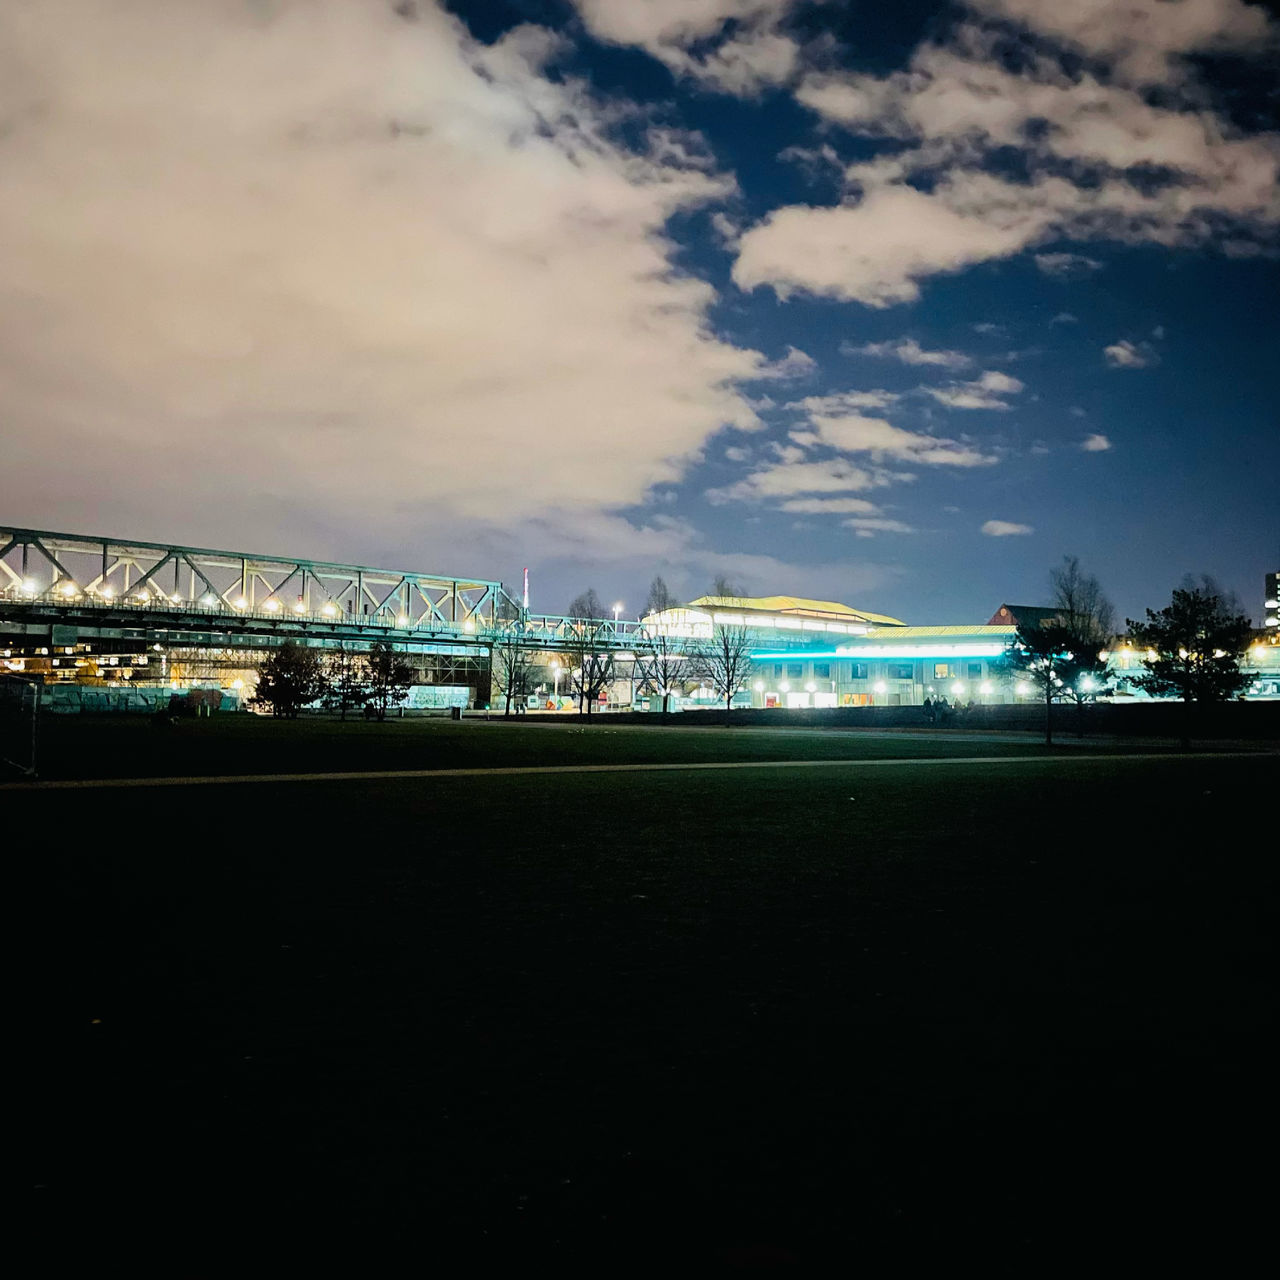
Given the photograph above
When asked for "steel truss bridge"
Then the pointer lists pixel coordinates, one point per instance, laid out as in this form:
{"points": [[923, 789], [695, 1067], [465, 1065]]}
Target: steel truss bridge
{"points": [[73, 585]]}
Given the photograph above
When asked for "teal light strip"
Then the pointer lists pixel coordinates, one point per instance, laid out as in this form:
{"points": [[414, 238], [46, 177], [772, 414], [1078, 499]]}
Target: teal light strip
{"points": [[899, 652]]}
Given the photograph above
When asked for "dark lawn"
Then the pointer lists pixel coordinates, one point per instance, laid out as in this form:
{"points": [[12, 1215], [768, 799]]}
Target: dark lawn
{"points": [[133, 746], [977, 1018]]}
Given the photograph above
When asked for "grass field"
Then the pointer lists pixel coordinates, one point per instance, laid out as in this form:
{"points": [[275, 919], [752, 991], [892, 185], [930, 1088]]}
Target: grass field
{"points": [[116, 746], [804, 1018]]}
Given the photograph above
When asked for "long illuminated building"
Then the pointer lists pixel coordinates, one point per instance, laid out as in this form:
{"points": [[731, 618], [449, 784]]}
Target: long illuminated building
{"points": [[813, 653], [817, 653]]}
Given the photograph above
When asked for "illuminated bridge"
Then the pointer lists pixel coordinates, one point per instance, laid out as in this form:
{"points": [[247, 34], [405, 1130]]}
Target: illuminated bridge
{"points": [[60, 588]]}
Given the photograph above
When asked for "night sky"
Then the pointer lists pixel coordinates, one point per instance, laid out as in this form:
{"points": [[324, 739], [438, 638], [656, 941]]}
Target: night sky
{"points": [[893, 304]]}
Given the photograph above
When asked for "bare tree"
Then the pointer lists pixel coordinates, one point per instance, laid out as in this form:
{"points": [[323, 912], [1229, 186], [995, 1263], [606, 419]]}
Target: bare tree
{"points": [[587, 605], [1089, 623], [593, 672], [663, 664], [660, 598], [1082, 607], [512, 666], [723, 587], [590, 659], [725, 660]]}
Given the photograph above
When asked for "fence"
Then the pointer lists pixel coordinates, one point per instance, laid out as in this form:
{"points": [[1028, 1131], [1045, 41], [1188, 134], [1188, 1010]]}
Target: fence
{"points": [[19, 724]]}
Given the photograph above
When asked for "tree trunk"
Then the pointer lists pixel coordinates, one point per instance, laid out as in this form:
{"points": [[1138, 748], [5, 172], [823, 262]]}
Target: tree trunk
{"points": [[1048, 719]]}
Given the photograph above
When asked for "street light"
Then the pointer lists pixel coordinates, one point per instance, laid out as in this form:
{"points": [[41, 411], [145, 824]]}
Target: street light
{"points": [[555, 668], [617, 609]]}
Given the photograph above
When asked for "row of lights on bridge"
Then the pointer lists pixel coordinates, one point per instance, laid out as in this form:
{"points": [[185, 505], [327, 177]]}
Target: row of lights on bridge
{"points": [[328, 610]]}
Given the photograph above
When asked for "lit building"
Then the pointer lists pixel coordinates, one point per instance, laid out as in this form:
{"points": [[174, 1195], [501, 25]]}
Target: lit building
{"points": [[888, 666], [786, 619], [1271, 603], [817, 653]]}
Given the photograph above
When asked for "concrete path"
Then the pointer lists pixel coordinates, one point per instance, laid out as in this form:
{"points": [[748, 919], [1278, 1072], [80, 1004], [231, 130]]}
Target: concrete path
{"points": [[413, 775]]}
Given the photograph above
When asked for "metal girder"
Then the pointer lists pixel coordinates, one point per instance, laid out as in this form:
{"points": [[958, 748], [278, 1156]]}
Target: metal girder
{"points": [[243, 596]]}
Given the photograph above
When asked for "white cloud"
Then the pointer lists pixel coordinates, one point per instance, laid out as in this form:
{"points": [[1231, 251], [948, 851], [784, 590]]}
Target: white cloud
{"points": [[1142, 38], [755, 56], [1065, 266], [882, 440], [1095, 443], [831, 506], [876, 251], [795, 364], [870, 527], [336, 254], [1064, 317], [1128, 355], [726, 229], [735, 453], [987, 392], [846, 401], [792, 479], [1005, 529], [959, 103], [909, 351]]}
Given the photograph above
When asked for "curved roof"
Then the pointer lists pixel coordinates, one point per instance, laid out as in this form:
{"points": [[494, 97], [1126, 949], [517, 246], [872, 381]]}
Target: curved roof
{"points": [[909, 633], [794, 605]]}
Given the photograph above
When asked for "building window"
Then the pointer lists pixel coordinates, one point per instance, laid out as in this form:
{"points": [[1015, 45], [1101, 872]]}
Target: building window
{"points": [[857, 671], [777, 671], [941, 671], [900, 671], [795, 670], [975, 671], [822, 671]]}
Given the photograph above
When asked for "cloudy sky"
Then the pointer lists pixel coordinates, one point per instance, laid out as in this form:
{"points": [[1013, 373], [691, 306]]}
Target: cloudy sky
{"points": [[892, 303]]}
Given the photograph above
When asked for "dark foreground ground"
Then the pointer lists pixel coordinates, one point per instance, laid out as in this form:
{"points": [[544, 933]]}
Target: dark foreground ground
{"points": [[1008, 1018], [105, 746]]}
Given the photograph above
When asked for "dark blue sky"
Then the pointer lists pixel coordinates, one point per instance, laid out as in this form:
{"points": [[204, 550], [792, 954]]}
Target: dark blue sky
{"points": [[895, 304], [1188, 484]]}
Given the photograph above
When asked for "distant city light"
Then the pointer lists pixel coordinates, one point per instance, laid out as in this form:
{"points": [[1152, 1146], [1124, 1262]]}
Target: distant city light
{"points": [[985, 687], [329, 611], [759, 686], [1022, 688], [402, 620], [239, 603], [272, 606], [785, 687], [958, 689], [880, 686]]}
